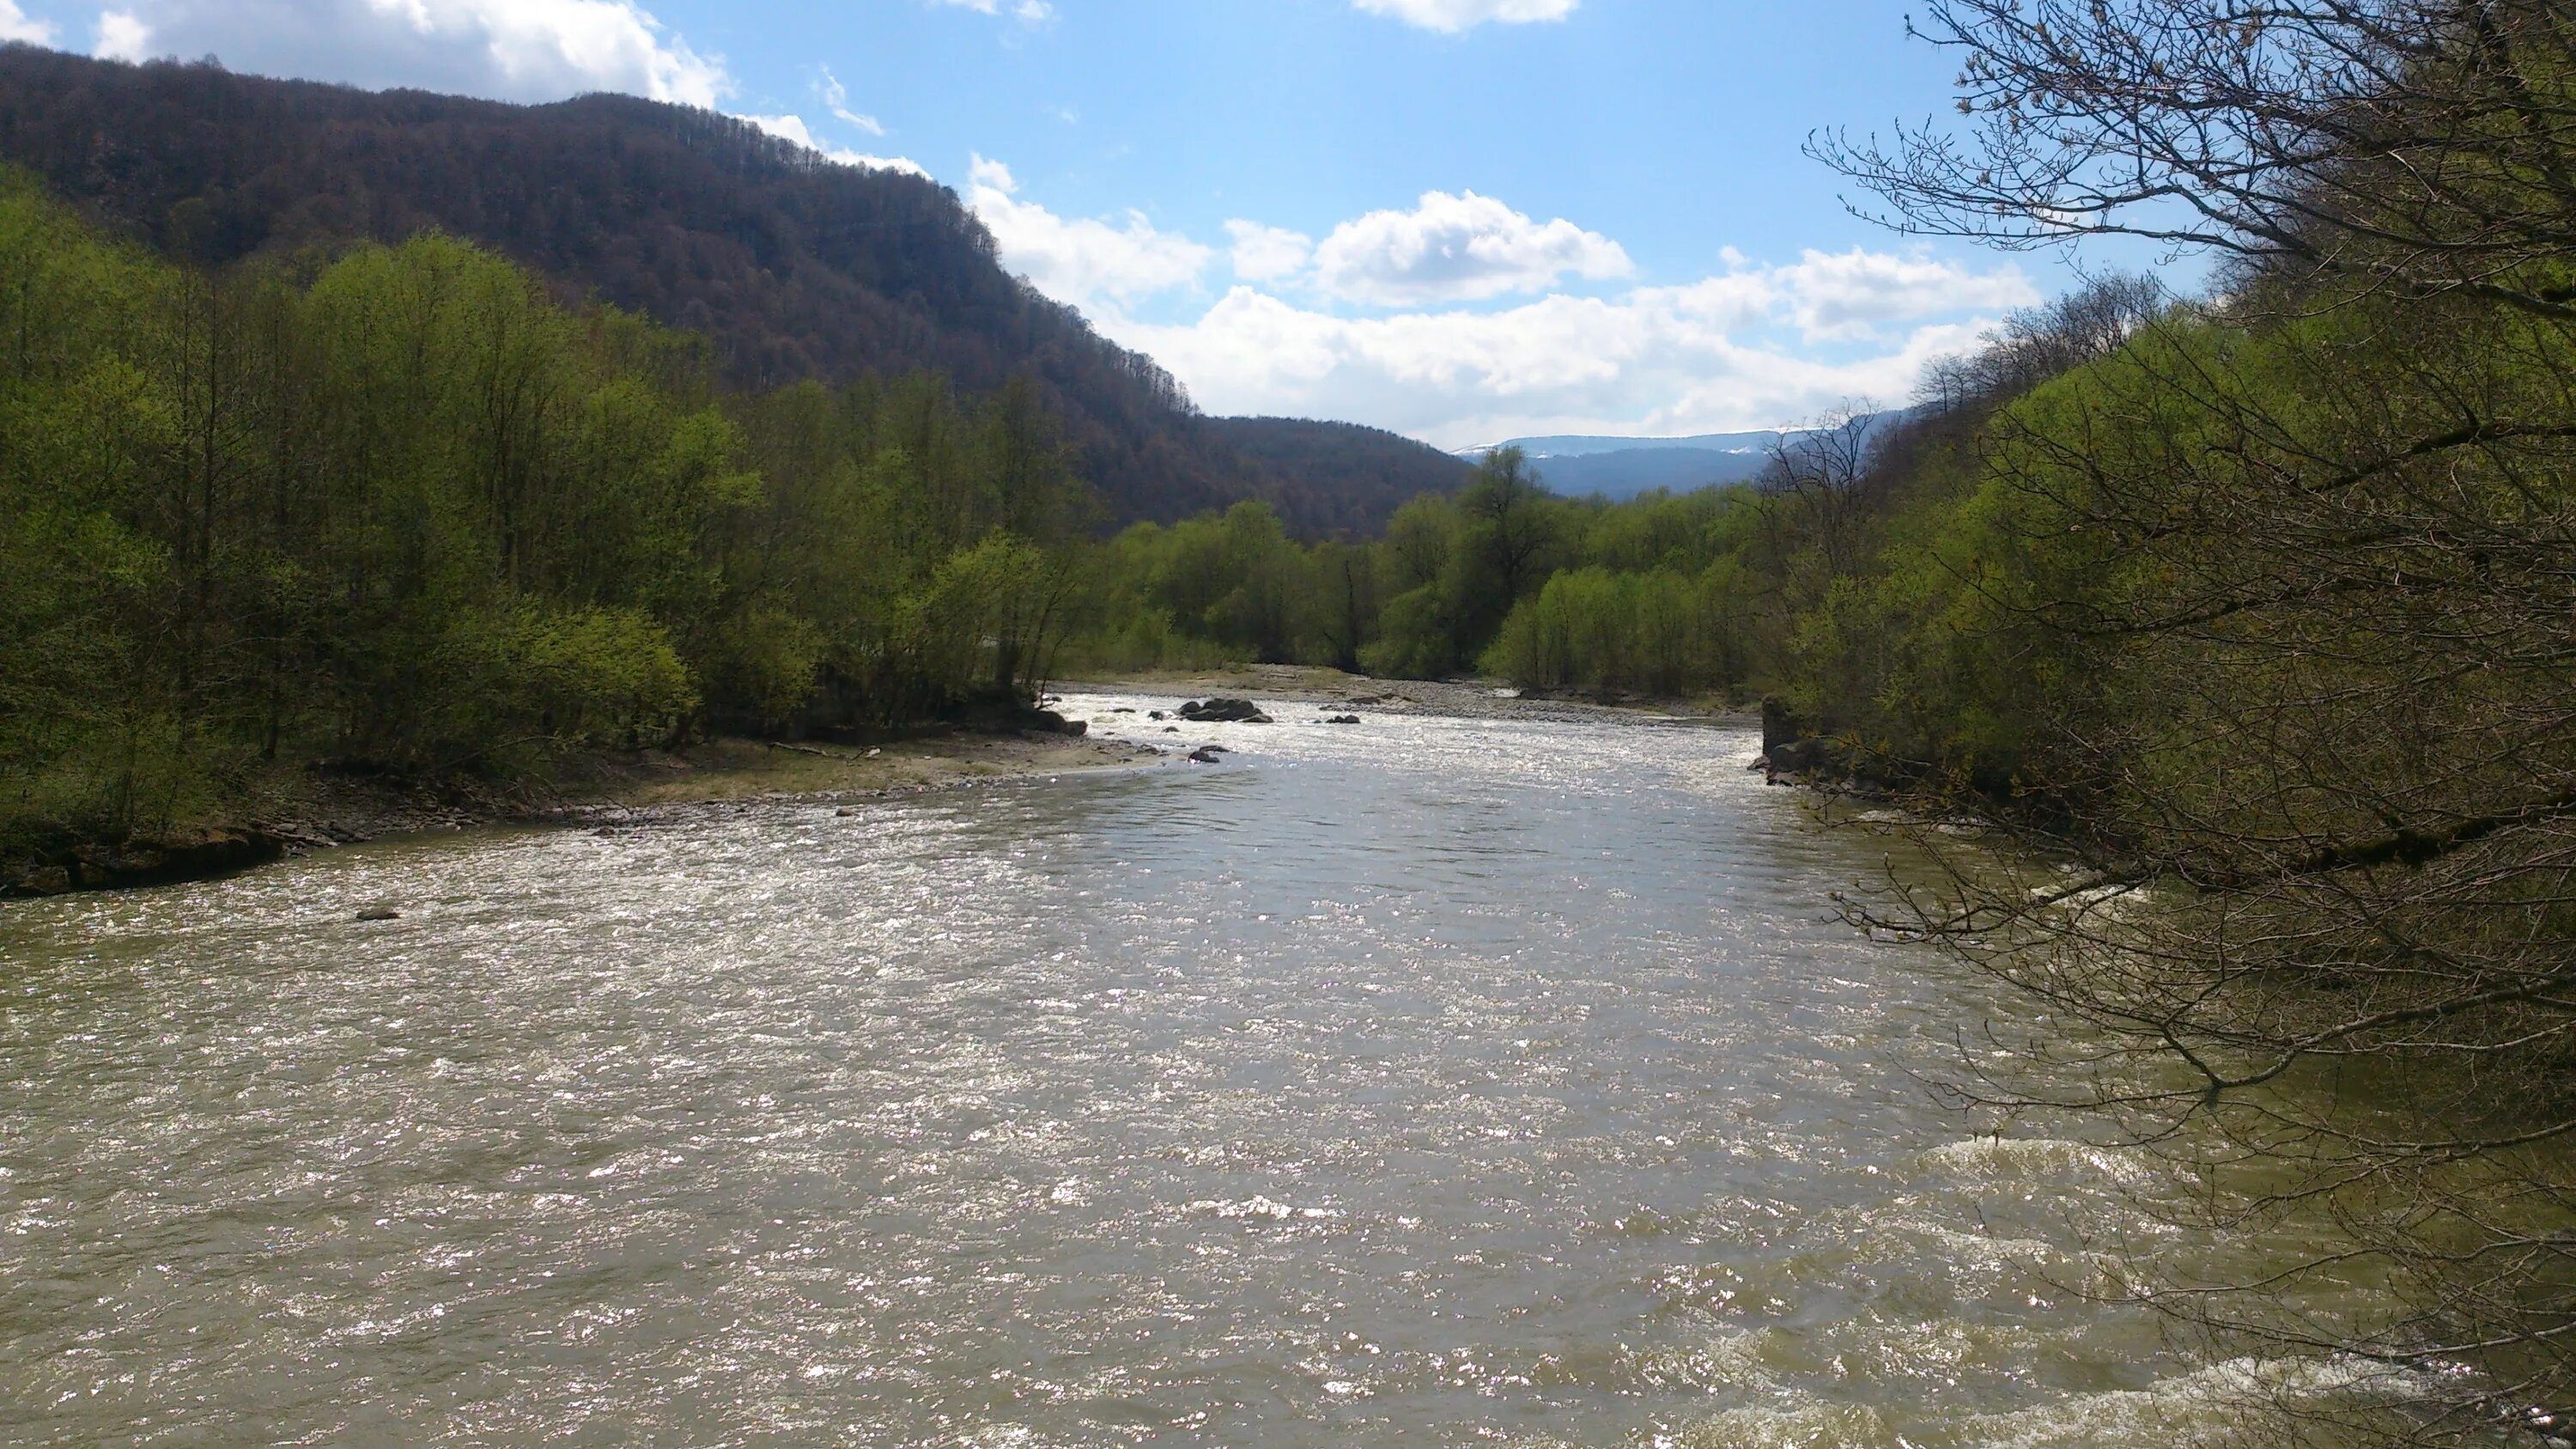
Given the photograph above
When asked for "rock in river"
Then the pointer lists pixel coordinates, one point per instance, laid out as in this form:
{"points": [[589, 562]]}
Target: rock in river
{"points": [[1224, 711]]}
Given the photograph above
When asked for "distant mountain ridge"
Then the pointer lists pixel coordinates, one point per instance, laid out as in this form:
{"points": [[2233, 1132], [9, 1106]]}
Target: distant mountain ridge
{"points": [[1586, 447], [1617, 468], [794, 267]]}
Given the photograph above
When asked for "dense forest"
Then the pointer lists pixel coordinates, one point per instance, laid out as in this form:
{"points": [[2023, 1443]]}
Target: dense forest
{"points": [[1648, 597], [1354, 477], [793, 267], [397, 509]]}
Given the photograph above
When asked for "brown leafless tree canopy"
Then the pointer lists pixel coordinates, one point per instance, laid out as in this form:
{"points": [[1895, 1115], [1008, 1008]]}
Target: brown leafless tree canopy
{"points": [[2419, 145]]}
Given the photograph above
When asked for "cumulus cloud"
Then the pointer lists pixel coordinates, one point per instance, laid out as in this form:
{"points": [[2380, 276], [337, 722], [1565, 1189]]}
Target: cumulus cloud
{"points": [[1268, 253], [793, 128], [1457, 248], [1451, 16], [1087, 262], [122, 35], [1300, 331], [1849, 294], [524, 50], [16, 24], [1702, 357]]}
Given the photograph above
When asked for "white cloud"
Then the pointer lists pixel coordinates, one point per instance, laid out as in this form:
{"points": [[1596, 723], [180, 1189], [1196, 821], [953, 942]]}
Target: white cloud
{"points": [[122, 35], [793, 128], [786, 128], [1750, 347], [880, 163], [1268, 253], [1698, 358], [525, 50], [1457, 248], [15, 24], [836, 99], [1848, 294], [1452, 16], [1086, 262]]}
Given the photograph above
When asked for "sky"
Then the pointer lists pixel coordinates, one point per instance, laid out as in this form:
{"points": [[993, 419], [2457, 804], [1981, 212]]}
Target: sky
{"points": [[1463, 220]]}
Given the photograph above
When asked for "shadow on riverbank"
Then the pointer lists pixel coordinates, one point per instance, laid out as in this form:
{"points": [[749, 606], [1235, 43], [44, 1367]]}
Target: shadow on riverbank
{"points": [[290, 810]]}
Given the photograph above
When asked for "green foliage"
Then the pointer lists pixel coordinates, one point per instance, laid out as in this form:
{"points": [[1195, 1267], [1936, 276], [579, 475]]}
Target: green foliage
{"points": [[1652, 596], [400, 507], [1657, 633]]}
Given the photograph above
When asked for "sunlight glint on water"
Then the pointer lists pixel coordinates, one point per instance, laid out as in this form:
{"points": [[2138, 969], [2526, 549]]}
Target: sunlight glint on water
{"points": [[1430, 1081]]}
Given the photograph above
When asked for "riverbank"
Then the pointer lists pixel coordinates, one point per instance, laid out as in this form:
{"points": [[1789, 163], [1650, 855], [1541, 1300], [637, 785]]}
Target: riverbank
{"points": [[291, 811]]}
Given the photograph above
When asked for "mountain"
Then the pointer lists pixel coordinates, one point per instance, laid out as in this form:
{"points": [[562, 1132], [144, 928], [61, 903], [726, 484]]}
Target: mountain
{"points": [[1362, 474], [794, 266], [1589, 447], [1620, 468]]}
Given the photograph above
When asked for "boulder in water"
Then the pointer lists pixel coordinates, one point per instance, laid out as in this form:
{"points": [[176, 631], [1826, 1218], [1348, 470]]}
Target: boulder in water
{"points": [[1224, 711]]}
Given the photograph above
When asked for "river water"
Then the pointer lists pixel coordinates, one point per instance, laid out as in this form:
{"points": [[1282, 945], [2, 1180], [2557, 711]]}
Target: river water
{"points": [[1430, 1082]]}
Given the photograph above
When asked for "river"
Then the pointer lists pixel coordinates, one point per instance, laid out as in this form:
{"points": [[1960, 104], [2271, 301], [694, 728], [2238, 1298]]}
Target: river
{"points": [[1428, 1082]]}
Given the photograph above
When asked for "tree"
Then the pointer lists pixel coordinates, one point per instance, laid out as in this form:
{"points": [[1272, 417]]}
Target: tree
{"points": [[1514, 523], [2411, 148], [1818, 471], [2285, 578], [1344, 602]]}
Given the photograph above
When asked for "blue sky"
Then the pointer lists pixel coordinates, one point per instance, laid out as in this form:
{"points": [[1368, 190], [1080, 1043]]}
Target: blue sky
{"points": [[1462, 219]]}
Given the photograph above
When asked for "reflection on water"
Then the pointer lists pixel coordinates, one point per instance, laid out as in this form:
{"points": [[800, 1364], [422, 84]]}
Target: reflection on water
{"points": [[1430, 1082]]}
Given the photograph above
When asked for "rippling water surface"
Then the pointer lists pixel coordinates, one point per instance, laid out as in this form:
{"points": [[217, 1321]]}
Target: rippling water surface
{"points": [[1434, 1082]]}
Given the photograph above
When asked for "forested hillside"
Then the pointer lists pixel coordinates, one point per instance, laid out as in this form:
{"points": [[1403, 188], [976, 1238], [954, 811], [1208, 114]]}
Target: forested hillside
{"points": [[793, 266], [403, 513], [1354, 477]]}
